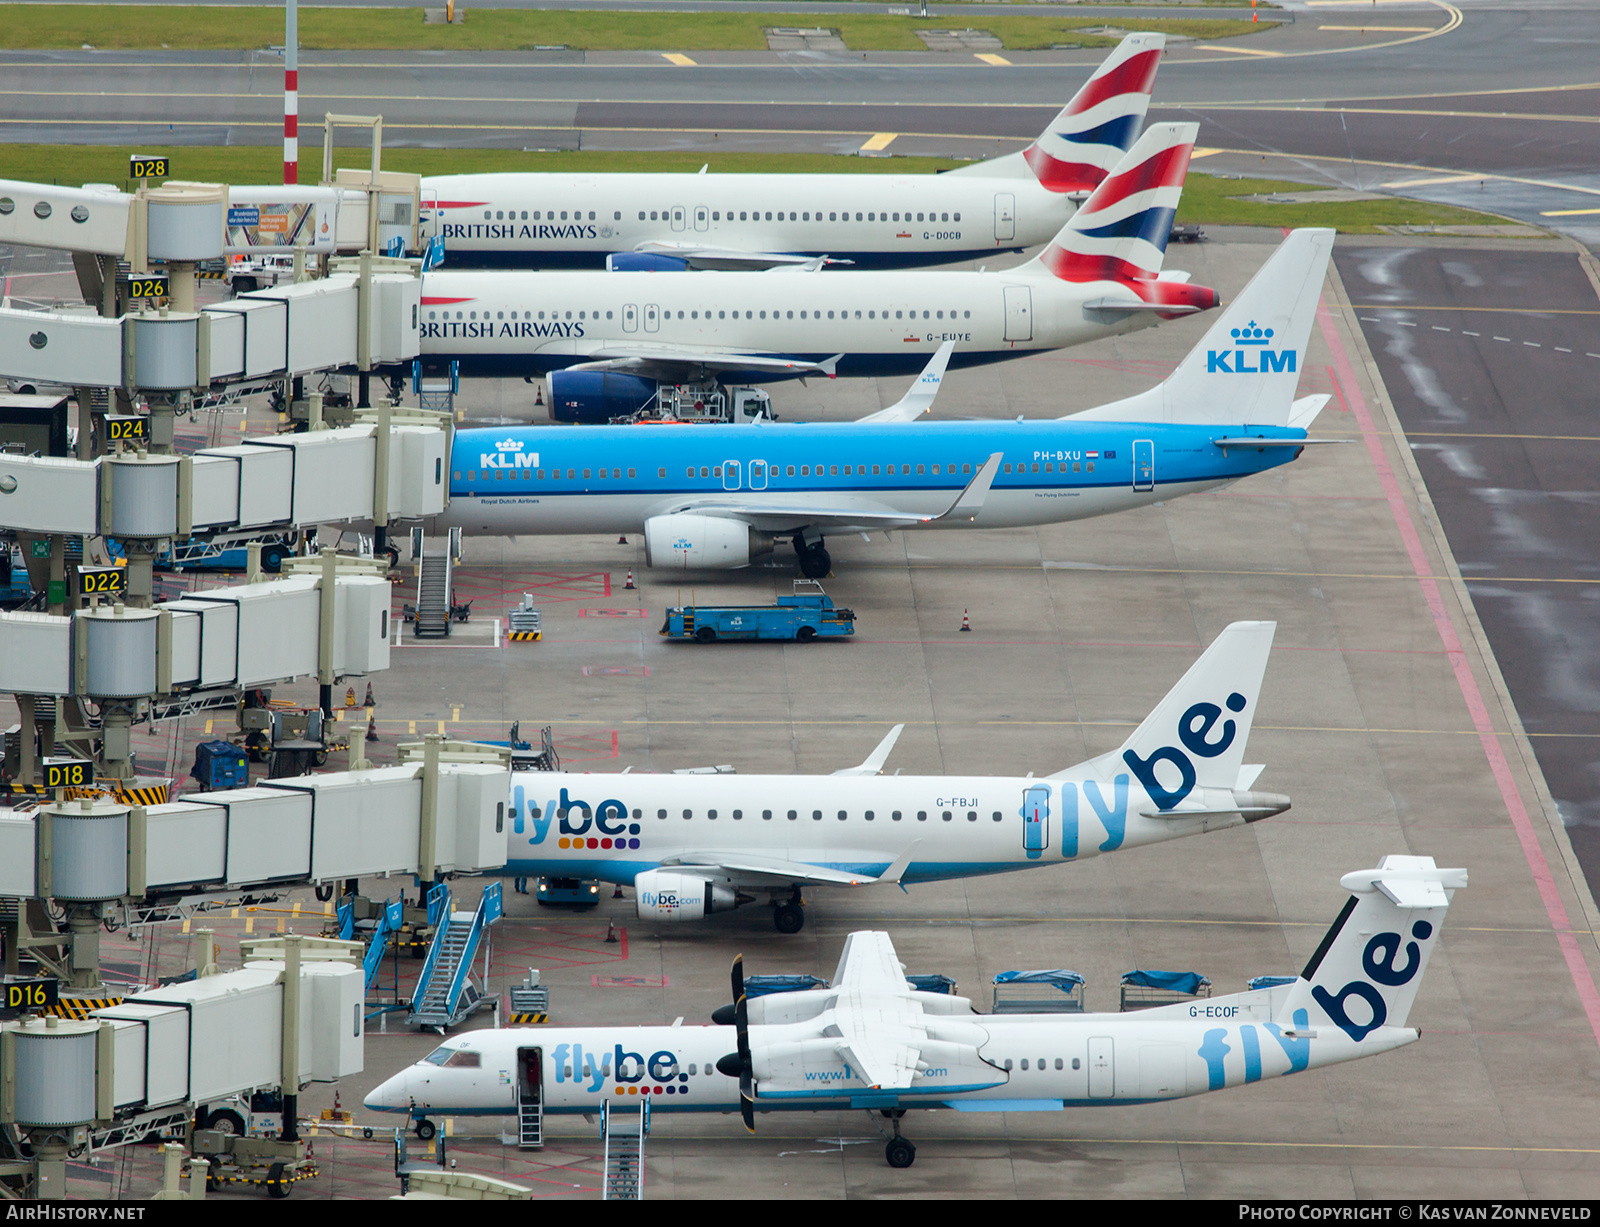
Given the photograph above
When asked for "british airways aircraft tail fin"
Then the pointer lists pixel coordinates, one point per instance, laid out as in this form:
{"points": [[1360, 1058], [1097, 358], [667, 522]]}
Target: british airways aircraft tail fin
{"points": [[1366, 972], [1245, 369], [919, 398], [1092, 132], [1195, 738]]}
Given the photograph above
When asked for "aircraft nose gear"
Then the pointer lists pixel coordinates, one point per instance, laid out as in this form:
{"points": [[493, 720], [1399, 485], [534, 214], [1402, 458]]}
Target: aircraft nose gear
{"points": [[789, 917], [815, 562]]}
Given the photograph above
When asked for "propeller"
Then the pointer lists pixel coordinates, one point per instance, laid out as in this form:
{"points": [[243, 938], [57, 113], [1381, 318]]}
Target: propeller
{"points": [[738, 1064], [724, 1015]]}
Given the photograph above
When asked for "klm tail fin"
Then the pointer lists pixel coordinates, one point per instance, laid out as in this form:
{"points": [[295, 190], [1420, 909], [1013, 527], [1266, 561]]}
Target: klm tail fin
{"points": [[1092, 132], [1366, 972], [919, 397], [1246, 368]]}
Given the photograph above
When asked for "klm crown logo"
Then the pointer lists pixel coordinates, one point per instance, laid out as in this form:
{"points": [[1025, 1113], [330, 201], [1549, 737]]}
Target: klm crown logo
{"points": [[1251, 340]]}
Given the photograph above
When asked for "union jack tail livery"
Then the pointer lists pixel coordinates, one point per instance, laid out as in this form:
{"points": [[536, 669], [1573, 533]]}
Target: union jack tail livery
{"points": [[1120, 233], [1092, 132]]}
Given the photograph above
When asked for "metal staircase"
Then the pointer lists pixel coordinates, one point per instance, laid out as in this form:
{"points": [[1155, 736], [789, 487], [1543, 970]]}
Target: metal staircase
{"points": [[625, 1132], [446, 992], [433, 595], [530, 1124]]}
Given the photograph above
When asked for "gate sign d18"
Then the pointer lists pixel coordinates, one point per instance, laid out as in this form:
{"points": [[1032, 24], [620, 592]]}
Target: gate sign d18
{"points": [[68, 773], [147, 166]]}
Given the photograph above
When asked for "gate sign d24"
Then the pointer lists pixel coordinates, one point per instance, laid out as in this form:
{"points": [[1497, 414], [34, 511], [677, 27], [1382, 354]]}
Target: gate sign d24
{"points": [[135, 427]]}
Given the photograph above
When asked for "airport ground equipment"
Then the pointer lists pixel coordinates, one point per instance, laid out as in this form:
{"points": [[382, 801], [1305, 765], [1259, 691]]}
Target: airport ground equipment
{"points": [[139, 1068], [220, 765], [1038, 992], [525, 623], [598, 397], [530, 1001], [623, 1129], [446, 991], [572, 892], [1144, 989], [873, 1042], [806, 615]]}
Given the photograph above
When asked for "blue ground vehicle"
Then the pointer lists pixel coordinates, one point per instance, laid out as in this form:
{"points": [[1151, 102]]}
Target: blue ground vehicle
{"points": [[809, 614]]}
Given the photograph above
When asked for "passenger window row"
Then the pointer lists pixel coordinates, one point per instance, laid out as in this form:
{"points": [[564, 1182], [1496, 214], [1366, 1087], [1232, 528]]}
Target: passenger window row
{"points": [[803, 216], [510, 215], [843, 815], [756, 467]]}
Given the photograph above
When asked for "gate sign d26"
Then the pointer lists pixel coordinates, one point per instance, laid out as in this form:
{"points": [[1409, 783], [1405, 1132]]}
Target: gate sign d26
{"points": [[147, 287]]}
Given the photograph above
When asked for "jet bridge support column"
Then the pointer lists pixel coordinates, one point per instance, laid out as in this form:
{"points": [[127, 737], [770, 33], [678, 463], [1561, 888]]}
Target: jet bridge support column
{"points": [[289, 1071]]}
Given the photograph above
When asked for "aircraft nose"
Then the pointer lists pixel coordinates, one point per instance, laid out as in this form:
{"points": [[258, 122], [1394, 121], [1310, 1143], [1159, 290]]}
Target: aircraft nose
{"points": [[393, 1095]]}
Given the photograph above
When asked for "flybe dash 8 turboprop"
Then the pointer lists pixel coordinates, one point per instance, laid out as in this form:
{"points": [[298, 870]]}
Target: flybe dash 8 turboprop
{"points": [[692, 845], [870, 1041], [733, 221], [714, 497], [1100, 276]]}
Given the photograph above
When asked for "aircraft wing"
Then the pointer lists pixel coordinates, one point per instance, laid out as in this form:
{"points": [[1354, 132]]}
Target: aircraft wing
{"points": [[873, 765], [731, 259], [869, 961], [919, 399], [845, 511], [747, 869], [683, 363]]}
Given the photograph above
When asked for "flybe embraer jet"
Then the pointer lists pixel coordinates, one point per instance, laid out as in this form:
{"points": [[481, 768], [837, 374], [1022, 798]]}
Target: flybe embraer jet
{"points": [[714, 497], [691, 845], [1100, 276], [764, 221], [870, 1041]]}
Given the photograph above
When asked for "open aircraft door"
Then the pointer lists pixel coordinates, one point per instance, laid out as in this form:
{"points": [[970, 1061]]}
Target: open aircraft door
{"points": [[1102, 1083], [1144, 464], [530, 1075], [1005, 217], [1035, 820], [1019, 313]]}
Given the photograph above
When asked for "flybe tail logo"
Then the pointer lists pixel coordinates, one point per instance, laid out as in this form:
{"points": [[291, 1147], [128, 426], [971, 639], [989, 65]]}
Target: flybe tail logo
{"points": [[1195, 728], [1383, 964], [1253, 355]]}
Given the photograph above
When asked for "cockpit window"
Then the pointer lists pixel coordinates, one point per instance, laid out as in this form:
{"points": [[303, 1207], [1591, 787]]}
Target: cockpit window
{"points": [[438, 1056], [463, 1059]]}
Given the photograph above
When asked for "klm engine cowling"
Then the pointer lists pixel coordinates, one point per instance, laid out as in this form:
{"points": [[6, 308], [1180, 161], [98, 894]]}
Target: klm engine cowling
{"points": [[596, 397], [667, 894], [689, 542]]}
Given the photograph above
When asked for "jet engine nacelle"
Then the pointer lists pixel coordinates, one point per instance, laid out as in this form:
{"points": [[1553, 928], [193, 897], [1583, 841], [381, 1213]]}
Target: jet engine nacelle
{"points": [[669, 894], [644, 262], [596, 397], [687, 542]]}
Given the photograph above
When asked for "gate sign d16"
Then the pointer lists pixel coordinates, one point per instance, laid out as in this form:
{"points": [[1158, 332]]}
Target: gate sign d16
{"points": [[29, 995]]}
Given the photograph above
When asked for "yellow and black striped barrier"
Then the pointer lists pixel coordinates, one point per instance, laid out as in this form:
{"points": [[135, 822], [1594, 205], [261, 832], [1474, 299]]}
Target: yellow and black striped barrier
{"points": [[523, 636], [81, 1007], [26, 790], [523, 1019], [158, 795]]}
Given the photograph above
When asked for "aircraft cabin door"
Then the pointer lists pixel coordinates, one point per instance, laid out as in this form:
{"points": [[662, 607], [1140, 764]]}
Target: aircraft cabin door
{"points": [[730, 474], [630, 317], [652, 317], [677, 217], [1144, 464], [702, 218], [1035, 820], [758, 474], [530, 1097], [1102, 1083], [1005, 217], [1019, 313]]}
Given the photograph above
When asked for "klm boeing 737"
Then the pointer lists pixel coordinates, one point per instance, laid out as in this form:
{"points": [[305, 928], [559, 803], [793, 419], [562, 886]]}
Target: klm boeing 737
{"points": [[719, 221], [715, 497], [870, 1041]]}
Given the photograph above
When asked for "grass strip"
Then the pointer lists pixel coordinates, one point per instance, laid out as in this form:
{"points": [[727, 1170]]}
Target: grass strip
{"points": [[112, 27], [1207, 199]]}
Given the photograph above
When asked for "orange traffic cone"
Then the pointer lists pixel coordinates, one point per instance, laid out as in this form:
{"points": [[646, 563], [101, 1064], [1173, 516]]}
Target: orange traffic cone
{"points": [[538, 395], [628, 587], [622, 539], [966, 622], [611, 932]]}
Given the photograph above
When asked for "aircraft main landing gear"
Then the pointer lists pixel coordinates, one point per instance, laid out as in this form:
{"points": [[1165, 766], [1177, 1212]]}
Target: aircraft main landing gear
{"points": [[789, 917], [898, 1152], [815, 562]]}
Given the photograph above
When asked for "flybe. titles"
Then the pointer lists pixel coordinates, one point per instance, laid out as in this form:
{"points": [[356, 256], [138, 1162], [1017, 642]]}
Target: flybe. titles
{"points": [[491, 230], [488, 330]]}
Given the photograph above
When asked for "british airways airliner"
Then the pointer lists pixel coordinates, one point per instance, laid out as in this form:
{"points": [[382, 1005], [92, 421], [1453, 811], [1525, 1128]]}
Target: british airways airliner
{"points": [[612, 338], [735, 222], [715, 497]]}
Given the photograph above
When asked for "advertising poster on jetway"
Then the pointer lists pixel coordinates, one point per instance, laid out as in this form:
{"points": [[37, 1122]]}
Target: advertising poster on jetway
{"points": [[278, 226]]}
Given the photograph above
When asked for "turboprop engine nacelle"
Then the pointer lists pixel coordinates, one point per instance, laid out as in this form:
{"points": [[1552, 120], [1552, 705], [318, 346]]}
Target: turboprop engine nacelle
{"points": [[666, 894], [689, 542]]}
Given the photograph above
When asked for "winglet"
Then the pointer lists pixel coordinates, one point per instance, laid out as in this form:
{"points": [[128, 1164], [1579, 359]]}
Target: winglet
{"points": [[970, 501], [919, 397], [873, 764]]}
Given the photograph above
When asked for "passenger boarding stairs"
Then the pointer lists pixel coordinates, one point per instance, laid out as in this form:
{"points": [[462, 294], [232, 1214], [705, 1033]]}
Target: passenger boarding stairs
{"points": [[530, 1124], [386, 925], [433, 596], [625, 1131], [446, 992]]}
